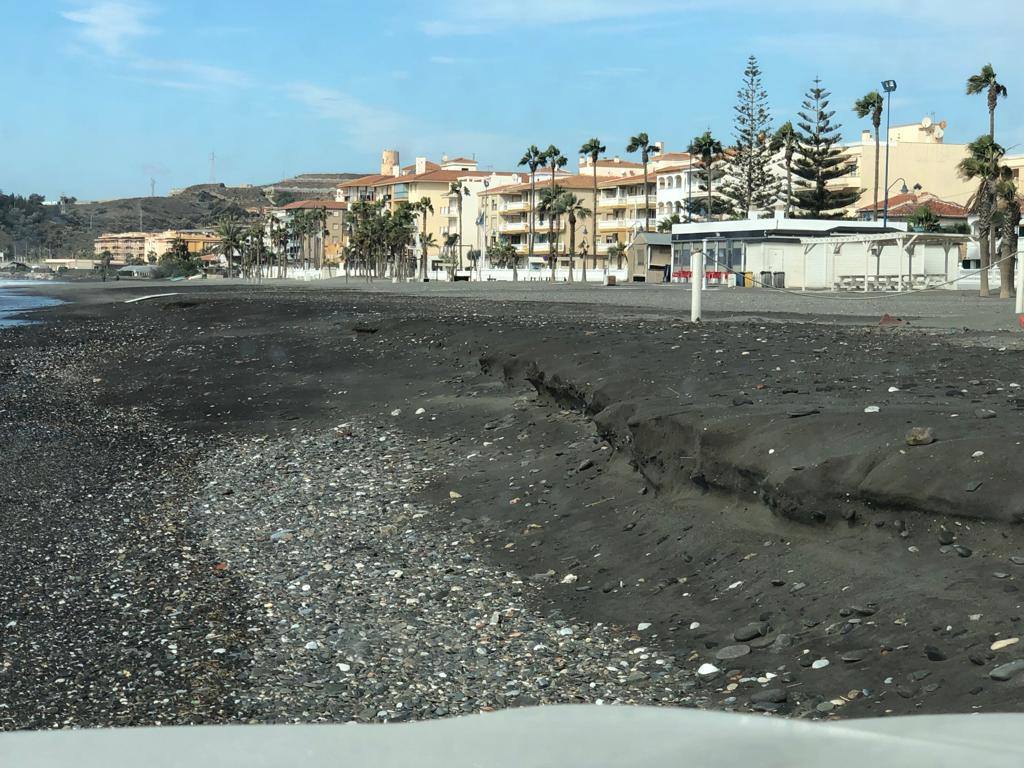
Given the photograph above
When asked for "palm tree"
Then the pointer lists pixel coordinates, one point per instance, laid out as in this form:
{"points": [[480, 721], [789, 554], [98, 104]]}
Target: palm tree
{"points": [[872, 104], [982, 163], [230, 233], [986, 82], [549, 206], [786, 139], [555, 160], [1009, 206], [424, 207], [533, 159], [572, 207], [708, 149], [593, 149], [640, 143], [279, 240], [616, 251], [455, 188], [665, 225]]}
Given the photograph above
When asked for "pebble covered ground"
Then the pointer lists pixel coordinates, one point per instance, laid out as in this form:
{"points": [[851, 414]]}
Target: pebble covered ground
{"points": [[363, 611]]}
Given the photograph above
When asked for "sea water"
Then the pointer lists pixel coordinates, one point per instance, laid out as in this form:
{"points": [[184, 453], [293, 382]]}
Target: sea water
{"points": [[13, 302]]}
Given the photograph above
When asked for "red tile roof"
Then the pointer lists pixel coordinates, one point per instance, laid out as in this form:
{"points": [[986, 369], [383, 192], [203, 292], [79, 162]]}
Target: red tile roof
{"points": [[611, 162], [430, 166], [363, 181], [430, 177], [330, 205], [574, 181], [906, 205], [459, 160]]}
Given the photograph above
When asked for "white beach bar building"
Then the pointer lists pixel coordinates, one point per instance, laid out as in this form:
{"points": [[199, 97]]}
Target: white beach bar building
{"points": [[820, 254]]}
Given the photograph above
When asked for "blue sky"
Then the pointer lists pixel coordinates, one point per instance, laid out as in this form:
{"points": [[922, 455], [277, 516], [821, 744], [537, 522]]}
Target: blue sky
{"points": [[101, 95]]}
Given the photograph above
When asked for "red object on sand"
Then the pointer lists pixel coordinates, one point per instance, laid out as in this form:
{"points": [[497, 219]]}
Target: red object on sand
{"points": [[1020, 319], [888, 319]]}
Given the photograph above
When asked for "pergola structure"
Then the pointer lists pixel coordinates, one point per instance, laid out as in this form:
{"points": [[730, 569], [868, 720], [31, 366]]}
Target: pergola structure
{"points": [[874, 243]]}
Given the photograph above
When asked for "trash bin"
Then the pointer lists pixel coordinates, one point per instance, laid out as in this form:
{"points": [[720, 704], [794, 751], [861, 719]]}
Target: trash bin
{"points": [[739, 279], [766, 279], [780, 280], [748, 279]]}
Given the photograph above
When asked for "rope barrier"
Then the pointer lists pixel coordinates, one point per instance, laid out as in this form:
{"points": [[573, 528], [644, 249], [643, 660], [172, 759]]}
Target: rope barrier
{"points": [[866, 295]]}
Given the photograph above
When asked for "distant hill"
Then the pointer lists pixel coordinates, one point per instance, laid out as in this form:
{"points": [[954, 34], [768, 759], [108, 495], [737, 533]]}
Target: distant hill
{"points": [[69, 228]]}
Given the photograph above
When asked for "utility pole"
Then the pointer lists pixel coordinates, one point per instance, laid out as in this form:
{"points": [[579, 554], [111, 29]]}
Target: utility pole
{"points": [[213, 168]]}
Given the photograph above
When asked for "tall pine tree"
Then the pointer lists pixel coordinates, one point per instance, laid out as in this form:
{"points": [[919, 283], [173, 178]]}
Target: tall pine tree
{"points": [[750, 180], [820, 159]]}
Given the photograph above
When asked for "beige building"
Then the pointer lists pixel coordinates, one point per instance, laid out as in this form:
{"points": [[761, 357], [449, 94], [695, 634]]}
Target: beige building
{"points": [[433, 181], [620, 209], [335, 238], [918, 155], [508, 217], [124, 247], [128, 247], [198, 242]]}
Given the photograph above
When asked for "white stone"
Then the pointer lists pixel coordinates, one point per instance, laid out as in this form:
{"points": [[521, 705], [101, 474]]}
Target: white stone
{"points": [[420, 411], [396, 412], [570, 578], [1000, 644], [706, 670], [695, 625], [819, 664], [872, 409], [977, 454], [642, 626]]}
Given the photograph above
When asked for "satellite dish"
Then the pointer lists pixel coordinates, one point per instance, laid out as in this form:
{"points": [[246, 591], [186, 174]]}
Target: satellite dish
{"points": [[939, 133], [943, 125], [926, 122]]}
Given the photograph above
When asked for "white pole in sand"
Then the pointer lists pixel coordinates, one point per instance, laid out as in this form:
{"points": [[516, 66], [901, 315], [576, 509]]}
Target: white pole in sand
{"points": [[1020, 287], [696, 278]]}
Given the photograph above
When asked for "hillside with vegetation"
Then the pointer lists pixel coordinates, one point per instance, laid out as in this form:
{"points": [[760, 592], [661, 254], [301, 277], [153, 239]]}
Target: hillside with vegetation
{"points": [[32, 230]]}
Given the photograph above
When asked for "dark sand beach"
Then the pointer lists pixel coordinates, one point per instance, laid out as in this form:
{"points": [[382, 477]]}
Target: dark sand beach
{"points": [[293, 502]]}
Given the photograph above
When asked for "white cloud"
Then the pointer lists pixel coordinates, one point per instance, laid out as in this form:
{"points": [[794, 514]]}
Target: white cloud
{"points": [[468, 17], [110, 26], [193, 74], [113, 26], [366, 125]]}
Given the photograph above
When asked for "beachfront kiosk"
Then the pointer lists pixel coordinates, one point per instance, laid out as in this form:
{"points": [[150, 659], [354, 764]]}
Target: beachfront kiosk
{"points": [[820, 254]]}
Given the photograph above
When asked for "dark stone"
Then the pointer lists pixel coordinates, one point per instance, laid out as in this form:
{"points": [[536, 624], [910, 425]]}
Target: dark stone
{"points": [[854, 656], [1007, 671], [770, 696], [750, 631], [934, 653], [730, 652], [946, 537], [962, 550], [972, 485]]}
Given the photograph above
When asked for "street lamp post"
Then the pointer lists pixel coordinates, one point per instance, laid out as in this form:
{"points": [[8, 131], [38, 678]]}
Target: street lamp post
{"points": [[888, 86]]}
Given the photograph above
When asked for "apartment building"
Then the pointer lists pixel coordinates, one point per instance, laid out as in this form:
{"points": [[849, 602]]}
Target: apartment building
{"points": [[507, 216], [433, 181], [918, 155], [335, 238], [124, 247], [621, 211], [129, 247]]}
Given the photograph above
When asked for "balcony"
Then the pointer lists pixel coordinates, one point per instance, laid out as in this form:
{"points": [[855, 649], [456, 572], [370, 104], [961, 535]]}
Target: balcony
{"points": [[513, 226], [622, 224], [514, 206]]}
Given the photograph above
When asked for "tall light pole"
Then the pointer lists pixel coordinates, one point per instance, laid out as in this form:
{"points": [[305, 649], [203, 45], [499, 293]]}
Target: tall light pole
{"points": [[888, 86]]}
